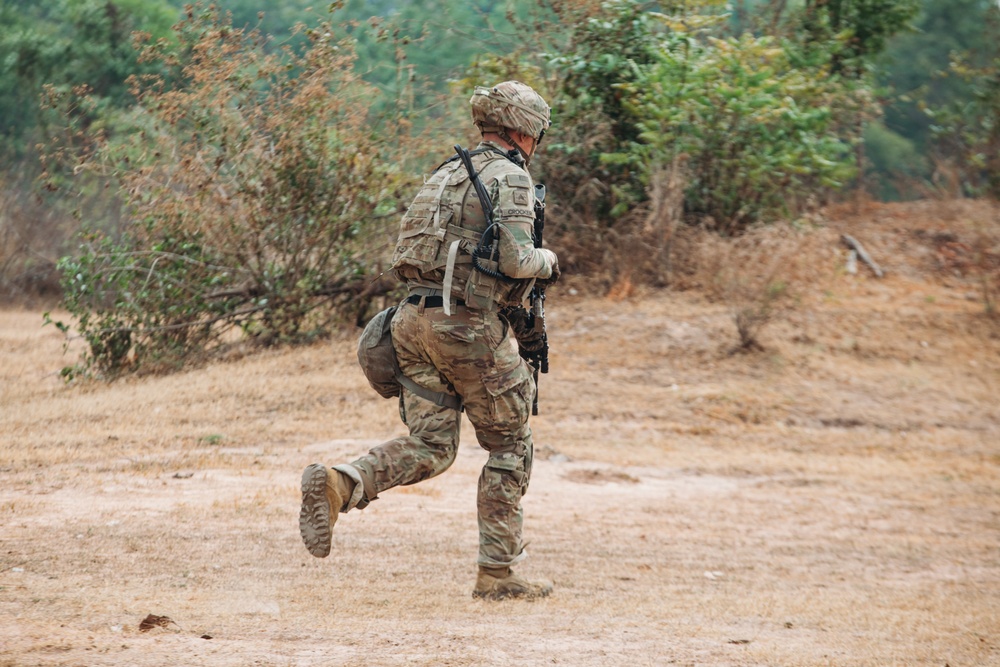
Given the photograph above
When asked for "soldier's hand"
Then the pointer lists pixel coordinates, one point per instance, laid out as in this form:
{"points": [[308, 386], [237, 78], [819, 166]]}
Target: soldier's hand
{"points": [[530, 343], [544, 282], [520, 321], [552, 261]]}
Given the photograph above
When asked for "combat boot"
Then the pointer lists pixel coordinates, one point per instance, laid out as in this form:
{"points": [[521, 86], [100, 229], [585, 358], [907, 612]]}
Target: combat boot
{"points": [[323, 496], [499, 583]]}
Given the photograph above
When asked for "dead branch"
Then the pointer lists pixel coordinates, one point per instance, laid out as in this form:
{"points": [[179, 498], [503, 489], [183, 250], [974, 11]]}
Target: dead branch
{"points": [[852, 243]]}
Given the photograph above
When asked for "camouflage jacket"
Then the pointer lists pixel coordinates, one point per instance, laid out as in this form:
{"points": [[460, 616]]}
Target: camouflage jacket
{"points": [[445, 222]]}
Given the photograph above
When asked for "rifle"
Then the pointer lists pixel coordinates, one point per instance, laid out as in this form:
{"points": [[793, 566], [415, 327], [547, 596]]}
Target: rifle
{"points": [[538, 359]]}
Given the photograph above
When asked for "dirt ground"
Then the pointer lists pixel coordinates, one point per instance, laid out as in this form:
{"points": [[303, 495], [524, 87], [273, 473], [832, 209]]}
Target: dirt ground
{"points": [[831, 500]]}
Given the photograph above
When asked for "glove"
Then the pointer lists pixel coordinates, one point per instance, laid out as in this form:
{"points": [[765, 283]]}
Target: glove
{"points": [[528, 340], [555, 272], [530, 343]]}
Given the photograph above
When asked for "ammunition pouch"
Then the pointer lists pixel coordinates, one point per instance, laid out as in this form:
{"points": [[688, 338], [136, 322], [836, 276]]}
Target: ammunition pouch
{"points": [[378, 361], [515, 463]]}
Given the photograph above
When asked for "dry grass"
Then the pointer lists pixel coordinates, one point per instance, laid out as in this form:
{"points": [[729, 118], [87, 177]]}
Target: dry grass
{"points": [[833, 501]]}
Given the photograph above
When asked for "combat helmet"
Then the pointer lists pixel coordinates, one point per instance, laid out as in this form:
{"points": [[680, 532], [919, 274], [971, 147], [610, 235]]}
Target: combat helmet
{"points": [[510, 105]]}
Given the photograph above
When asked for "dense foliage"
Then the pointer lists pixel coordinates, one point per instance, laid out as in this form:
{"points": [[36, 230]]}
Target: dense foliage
{"points": [[969, 129], [762, 136], [914, 150], [67, 44], [238, 181], [765, 125]]}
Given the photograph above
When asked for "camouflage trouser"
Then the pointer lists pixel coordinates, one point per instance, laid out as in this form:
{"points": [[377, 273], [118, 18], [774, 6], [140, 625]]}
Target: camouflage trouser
{"points": [[471, 353]]}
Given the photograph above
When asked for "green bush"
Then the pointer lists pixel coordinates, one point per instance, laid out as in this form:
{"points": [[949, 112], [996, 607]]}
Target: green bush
{"points": [[602, 50], [763, 126], [969, 129], [898, 168], [761, 135]]}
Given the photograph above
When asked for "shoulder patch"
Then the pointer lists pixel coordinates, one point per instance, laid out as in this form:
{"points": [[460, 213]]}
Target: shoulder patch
{"points": [[520, 197], [518, 181]]}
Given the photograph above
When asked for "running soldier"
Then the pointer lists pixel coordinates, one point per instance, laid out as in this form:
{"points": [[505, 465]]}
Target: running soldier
{"points": [[451, 336]]}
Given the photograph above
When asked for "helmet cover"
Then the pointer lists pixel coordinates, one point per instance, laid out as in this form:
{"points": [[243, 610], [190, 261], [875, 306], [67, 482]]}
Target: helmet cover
{"points": [[512, 105]]}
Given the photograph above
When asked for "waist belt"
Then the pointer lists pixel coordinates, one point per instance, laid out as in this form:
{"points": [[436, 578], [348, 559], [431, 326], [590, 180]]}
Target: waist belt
{"points": [[433, 301]]}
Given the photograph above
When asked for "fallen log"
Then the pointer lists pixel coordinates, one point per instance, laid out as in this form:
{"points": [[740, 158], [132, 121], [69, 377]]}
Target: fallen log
{"points": [[853, 244]]}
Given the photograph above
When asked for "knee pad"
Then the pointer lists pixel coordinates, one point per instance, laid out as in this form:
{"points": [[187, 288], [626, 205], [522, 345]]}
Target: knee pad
{"points": [[516, 463]]}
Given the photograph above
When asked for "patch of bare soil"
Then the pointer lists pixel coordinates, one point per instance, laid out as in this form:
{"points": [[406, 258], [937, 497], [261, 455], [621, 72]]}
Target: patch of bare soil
{"points": [[832, 500]]}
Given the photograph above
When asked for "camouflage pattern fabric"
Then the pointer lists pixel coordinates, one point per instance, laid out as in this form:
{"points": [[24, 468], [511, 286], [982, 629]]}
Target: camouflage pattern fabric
{"points": [[510, 104], [470, 352], [446, 206], [474, 354]]}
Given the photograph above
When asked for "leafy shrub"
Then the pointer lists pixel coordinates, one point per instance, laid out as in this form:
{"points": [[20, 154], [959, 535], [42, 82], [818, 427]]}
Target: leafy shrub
{"points": [[762, 135], [604, 48], [969, 129], [763, 126], [251, 183], [896, 163]]}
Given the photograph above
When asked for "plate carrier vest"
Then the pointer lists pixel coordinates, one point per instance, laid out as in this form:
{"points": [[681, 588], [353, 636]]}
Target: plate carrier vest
{"points": [[442, 228]]}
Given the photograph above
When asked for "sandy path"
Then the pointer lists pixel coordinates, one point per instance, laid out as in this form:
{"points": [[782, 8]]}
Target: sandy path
{"points": [[833, 501]]}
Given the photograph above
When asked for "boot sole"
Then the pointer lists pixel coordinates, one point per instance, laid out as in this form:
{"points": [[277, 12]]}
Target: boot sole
{"points": [[314, 517]]}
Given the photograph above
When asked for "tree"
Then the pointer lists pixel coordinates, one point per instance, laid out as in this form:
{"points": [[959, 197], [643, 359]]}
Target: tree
{"points": [[762, 123], [761, 135], [65, 44], [860, 28], [913, 63], [967, 131]]}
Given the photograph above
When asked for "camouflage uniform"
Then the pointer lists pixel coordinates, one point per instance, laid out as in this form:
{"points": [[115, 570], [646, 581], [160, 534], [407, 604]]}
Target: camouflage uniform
{"points": [[449, 336], [472, 353]]}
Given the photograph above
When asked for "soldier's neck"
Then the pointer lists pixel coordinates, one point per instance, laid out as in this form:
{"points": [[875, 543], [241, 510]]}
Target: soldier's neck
{"points": [[506, 149]]}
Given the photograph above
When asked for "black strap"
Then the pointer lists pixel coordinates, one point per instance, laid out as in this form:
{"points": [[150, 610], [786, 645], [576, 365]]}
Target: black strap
{"points": [[430, 301], [485, 249], [441, 398]]}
